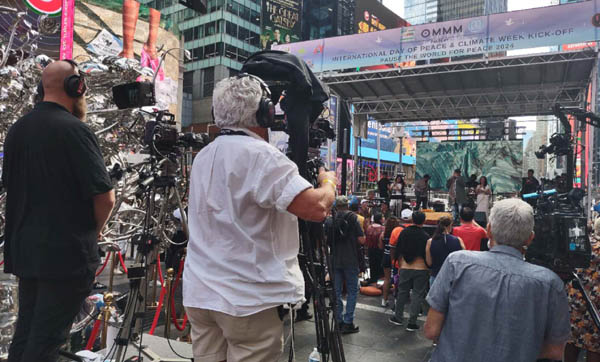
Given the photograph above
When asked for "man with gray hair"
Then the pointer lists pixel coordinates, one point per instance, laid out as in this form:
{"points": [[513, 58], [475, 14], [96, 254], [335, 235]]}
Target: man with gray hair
{"points": [[494, 306], [245, 200]]}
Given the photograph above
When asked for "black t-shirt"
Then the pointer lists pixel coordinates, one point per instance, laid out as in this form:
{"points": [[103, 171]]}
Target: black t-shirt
{"points": [[52, 169], [345, 250], [412, 243], [530, 185], [383, 187]]}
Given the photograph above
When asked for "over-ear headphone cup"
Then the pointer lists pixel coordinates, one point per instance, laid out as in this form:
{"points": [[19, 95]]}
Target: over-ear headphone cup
{"points": [[265, 116], [74, 86]]}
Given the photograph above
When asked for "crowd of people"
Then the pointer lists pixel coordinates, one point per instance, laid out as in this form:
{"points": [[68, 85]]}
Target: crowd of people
{"points": [[482, 300], [468, 295]]}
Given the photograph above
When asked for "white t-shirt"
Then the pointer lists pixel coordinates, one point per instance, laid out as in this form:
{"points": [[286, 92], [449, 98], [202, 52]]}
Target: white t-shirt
{"points": [[243, 247]]}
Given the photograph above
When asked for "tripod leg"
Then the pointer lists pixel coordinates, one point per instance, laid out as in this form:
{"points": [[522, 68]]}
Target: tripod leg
{"points": [[184, 219]]}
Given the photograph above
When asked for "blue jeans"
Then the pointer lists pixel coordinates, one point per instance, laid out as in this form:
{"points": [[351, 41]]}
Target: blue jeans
{"points": [[350, 276], [456, 208]]}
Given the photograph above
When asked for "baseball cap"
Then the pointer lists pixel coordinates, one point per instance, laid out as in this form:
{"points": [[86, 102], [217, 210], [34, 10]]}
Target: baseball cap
{"points": [[341, 201], [406, 214], [363, 201]]}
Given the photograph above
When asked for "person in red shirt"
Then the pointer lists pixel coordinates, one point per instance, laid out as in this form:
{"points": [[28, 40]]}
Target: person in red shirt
{"points": [[469, 231]]}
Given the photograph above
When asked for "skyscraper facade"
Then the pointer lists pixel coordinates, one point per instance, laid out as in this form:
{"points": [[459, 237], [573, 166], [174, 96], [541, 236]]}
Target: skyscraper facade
{"points": [[420, 11], [460, 9], [327, 18], [219, 42]]}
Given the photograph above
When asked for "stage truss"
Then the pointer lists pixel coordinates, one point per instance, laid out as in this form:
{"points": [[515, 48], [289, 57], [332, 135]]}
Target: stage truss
{"points": [[496, 87]]}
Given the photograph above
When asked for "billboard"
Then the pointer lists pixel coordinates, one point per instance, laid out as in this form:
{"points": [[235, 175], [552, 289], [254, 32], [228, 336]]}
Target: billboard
{"points": [[127, 29], [373, 16], [280, 23], [500, 161], [547, 26], [35, 22]]}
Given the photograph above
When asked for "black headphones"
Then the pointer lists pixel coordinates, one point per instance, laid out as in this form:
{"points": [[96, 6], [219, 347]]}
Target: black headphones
{"points": [[74, 84], [265, 115]]}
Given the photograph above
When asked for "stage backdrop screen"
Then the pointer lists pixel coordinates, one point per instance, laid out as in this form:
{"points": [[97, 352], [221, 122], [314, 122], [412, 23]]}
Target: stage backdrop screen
{"points": [[500, 161]]}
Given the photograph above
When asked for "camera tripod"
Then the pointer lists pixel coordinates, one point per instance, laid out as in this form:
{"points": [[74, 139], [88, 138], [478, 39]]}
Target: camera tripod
{"points": [[164, 190], [318, 262]]}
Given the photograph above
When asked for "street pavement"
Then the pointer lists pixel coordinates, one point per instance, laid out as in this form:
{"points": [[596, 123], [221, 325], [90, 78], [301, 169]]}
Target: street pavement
{"points": [[377, 341]]}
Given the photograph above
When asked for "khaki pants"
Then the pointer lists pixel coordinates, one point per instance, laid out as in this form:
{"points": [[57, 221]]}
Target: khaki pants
{"points": [[218, 336]]}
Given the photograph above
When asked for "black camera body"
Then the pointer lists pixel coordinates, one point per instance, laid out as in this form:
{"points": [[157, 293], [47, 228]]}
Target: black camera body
{"points": [[561, 241], [162, 136]]}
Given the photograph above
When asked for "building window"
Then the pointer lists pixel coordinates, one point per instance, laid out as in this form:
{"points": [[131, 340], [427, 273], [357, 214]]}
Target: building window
{"points": [[231, 29], [188, 34], [255, 17], [188, 82], [209, 51], [199, 32], [198, 53], [243, 34], [209, 82], [211, 28], [219, 48], [230, 51]]}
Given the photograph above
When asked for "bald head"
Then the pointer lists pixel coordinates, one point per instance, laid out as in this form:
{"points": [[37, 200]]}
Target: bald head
{"points": [[53, 78], [53, 81]]}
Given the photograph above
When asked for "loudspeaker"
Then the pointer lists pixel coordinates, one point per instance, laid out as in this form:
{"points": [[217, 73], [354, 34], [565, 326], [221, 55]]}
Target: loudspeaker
{"points": [[344, 122], [134, 95]]}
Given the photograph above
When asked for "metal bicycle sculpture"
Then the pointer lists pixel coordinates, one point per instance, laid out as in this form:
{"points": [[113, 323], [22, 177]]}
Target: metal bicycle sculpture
{"points": [[147, 191]]}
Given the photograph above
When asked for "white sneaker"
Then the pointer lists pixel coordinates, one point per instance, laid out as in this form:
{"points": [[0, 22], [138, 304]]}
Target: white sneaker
{"points": [[384, 303]]}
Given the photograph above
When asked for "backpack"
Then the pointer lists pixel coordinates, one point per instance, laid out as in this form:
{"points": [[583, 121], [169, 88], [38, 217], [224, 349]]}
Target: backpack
{"points": [[341, 226]]}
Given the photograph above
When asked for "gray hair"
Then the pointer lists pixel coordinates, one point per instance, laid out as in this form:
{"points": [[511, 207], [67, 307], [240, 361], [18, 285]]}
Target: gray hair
{"points": [[235, 102], [511, 222]]}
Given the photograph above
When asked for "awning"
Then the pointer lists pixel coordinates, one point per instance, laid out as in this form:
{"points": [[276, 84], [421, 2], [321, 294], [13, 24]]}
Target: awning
{"points": [[497, 87]]}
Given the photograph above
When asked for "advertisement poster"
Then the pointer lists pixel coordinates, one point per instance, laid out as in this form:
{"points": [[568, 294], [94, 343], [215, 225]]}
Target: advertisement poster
{"points": [[547, 26], [126, 29], [280, 22], [35, 22], [372, 16]]}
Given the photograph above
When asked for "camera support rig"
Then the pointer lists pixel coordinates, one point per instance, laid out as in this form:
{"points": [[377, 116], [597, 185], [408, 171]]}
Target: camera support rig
{"points": [[561, 241]]}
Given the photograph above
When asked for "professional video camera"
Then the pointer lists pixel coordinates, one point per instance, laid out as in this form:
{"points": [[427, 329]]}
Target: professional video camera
{"points": [[561, 239], [302, 103], [559, 146], [162, 137]]}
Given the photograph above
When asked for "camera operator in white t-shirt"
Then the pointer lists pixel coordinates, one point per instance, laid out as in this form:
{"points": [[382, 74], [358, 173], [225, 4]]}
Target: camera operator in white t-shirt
{"points": [[245, 200]]}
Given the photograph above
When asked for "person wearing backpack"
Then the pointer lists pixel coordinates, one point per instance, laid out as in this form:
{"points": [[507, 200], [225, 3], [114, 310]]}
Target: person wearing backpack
{"points": [[347, 236]]}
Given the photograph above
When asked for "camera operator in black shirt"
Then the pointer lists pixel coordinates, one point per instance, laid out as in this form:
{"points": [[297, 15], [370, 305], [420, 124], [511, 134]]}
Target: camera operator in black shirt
{"points": [[59, 197]]}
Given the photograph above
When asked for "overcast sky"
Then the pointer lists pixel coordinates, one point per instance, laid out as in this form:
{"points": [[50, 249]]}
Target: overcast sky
{"points": [[397, 6]]}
